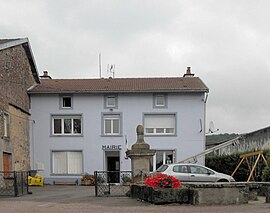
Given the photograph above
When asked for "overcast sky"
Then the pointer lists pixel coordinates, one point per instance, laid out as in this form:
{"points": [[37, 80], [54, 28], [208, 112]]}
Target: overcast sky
{"points": [[226, 43]]}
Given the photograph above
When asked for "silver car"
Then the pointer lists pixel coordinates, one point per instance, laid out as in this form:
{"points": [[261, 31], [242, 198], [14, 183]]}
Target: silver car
{"points": [[193, 173]]}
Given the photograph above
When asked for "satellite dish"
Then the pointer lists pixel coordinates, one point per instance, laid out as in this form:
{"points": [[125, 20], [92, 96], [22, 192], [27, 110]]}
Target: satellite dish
{"points": [[212, 128]]}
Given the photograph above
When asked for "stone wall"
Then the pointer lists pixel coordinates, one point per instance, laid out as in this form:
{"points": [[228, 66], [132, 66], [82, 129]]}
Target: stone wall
{"points": [[257, 140], [15, 78]]}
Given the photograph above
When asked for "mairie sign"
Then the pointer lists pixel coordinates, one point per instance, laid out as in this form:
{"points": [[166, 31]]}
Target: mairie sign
{"points": [[111, 147]]}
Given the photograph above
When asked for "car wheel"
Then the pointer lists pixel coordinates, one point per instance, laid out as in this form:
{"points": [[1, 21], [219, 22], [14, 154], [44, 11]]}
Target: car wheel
{"points": [[223, 180]]}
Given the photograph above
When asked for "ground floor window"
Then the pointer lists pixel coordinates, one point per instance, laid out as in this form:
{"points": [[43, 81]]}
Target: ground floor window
{"points": [[162, 157], [67, 162]]}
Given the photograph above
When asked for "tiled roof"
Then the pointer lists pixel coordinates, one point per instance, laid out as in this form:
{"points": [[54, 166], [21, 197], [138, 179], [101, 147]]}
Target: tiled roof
{"points": [[123, 85]]}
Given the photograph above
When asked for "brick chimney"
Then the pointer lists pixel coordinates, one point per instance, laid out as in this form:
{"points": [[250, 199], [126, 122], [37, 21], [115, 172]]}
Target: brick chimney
{"points": [[45, 75], [188, 73]]}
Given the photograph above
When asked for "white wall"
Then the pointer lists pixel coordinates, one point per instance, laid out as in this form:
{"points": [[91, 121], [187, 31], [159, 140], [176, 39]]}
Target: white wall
{"points": [[187, 141]]}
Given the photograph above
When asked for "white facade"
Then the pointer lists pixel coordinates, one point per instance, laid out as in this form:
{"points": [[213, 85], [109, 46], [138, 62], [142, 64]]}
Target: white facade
{"points": [[91, 132]]}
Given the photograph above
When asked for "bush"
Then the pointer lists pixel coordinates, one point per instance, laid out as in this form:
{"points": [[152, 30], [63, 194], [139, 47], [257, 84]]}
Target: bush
{"points": [[266, 171], [228, 163]]}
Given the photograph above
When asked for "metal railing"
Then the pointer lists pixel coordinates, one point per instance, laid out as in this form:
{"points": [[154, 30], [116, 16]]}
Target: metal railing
{"points": [[112, 183], [13, 183], [194, 159]]}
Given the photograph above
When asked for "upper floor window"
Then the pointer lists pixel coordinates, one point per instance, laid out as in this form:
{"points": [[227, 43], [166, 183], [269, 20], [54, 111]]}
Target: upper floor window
{"points": [[160, 101], [160, 124], [66, 125], [66, 102], [110, 101], [112, 124], [6, 125]]}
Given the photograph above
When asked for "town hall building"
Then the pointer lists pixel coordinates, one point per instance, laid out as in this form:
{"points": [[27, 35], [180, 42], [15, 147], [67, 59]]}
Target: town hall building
{"points": [[87, 125]]}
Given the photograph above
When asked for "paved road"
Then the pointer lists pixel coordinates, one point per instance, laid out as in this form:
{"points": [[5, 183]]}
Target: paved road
{"points": [[81, 199]]}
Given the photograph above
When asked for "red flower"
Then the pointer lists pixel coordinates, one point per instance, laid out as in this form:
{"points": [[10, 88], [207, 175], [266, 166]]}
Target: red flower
{"points": [[161, 181]]}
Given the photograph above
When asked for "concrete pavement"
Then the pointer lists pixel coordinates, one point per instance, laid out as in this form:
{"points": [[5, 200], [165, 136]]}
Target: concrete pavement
{"points": [[82, 199]]}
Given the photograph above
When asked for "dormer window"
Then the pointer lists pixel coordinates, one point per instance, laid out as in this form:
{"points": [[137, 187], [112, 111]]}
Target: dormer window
{"points": [[111, 101], [66, 102], [160, 101]]}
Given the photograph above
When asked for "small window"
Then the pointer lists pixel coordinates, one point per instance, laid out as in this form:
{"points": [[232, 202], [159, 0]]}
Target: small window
{"points": [[66, 102], [160, 101], [111, 124], [111, 101], [6, 125], [66, 125]]}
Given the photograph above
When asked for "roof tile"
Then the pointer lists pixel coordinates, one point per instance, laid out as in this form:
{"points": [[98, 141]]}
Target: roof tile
{"points": [[125, 85]]}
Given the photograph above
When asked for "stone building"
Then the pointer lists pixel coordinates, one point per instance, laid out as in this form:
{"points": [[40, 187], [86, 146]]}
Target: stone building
{"points": [[18, 73]]}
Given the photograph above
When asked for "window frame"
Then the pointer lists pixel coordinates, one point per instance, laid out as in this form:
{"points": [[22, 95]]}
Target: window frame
{"points": [[155, 99], [166, 130], [61, 101], [62, 118], [66, 163], [106, 105], [111, 116]]}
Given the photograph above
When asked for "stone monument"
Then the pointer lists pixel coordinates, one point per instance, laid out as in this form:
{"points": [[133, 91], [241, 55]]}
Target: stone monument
{"points": [[140, 155]]}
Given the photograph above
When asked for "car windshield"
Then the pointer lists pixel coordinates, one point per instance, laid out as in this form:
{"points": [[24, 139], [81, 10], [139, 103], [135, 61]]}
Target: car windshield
{"points": [[162, 168]]}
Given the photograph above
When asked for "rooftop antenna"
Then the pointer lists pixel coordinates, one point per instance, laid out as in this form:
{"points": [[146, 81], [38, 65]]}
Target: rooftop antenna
{"points": [[212, 128], [111, 69], [99, 62]]}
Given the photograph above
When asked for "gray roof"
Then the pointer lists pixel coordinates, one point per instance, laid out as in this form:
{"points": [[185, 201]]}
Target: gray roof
{"points": [[121, 85]]}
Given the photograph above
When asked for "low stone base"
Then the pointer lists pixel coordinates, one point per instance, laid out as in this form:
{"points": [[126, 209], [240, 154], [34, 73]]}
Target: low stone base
{"points": [[161, 196], [221, 194], [202, 194]]}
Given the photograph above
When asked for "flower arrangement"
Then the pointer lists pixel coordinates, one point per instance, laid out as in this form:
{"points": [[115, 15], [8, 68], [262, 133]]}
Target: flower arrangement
{"points": [[162, 181], [88, 179]]}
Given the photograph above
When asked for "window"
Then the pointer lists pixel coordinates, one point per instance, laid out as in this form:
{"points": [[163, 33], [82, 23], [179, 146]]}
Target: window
{"points": [[6, 125], [199, 170], [160, 101], [160, 158], [66, 125], [67, 162], [66, 102], [7, 164], [180, 169], [111, 124], [111, 101], [159, 124]]}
